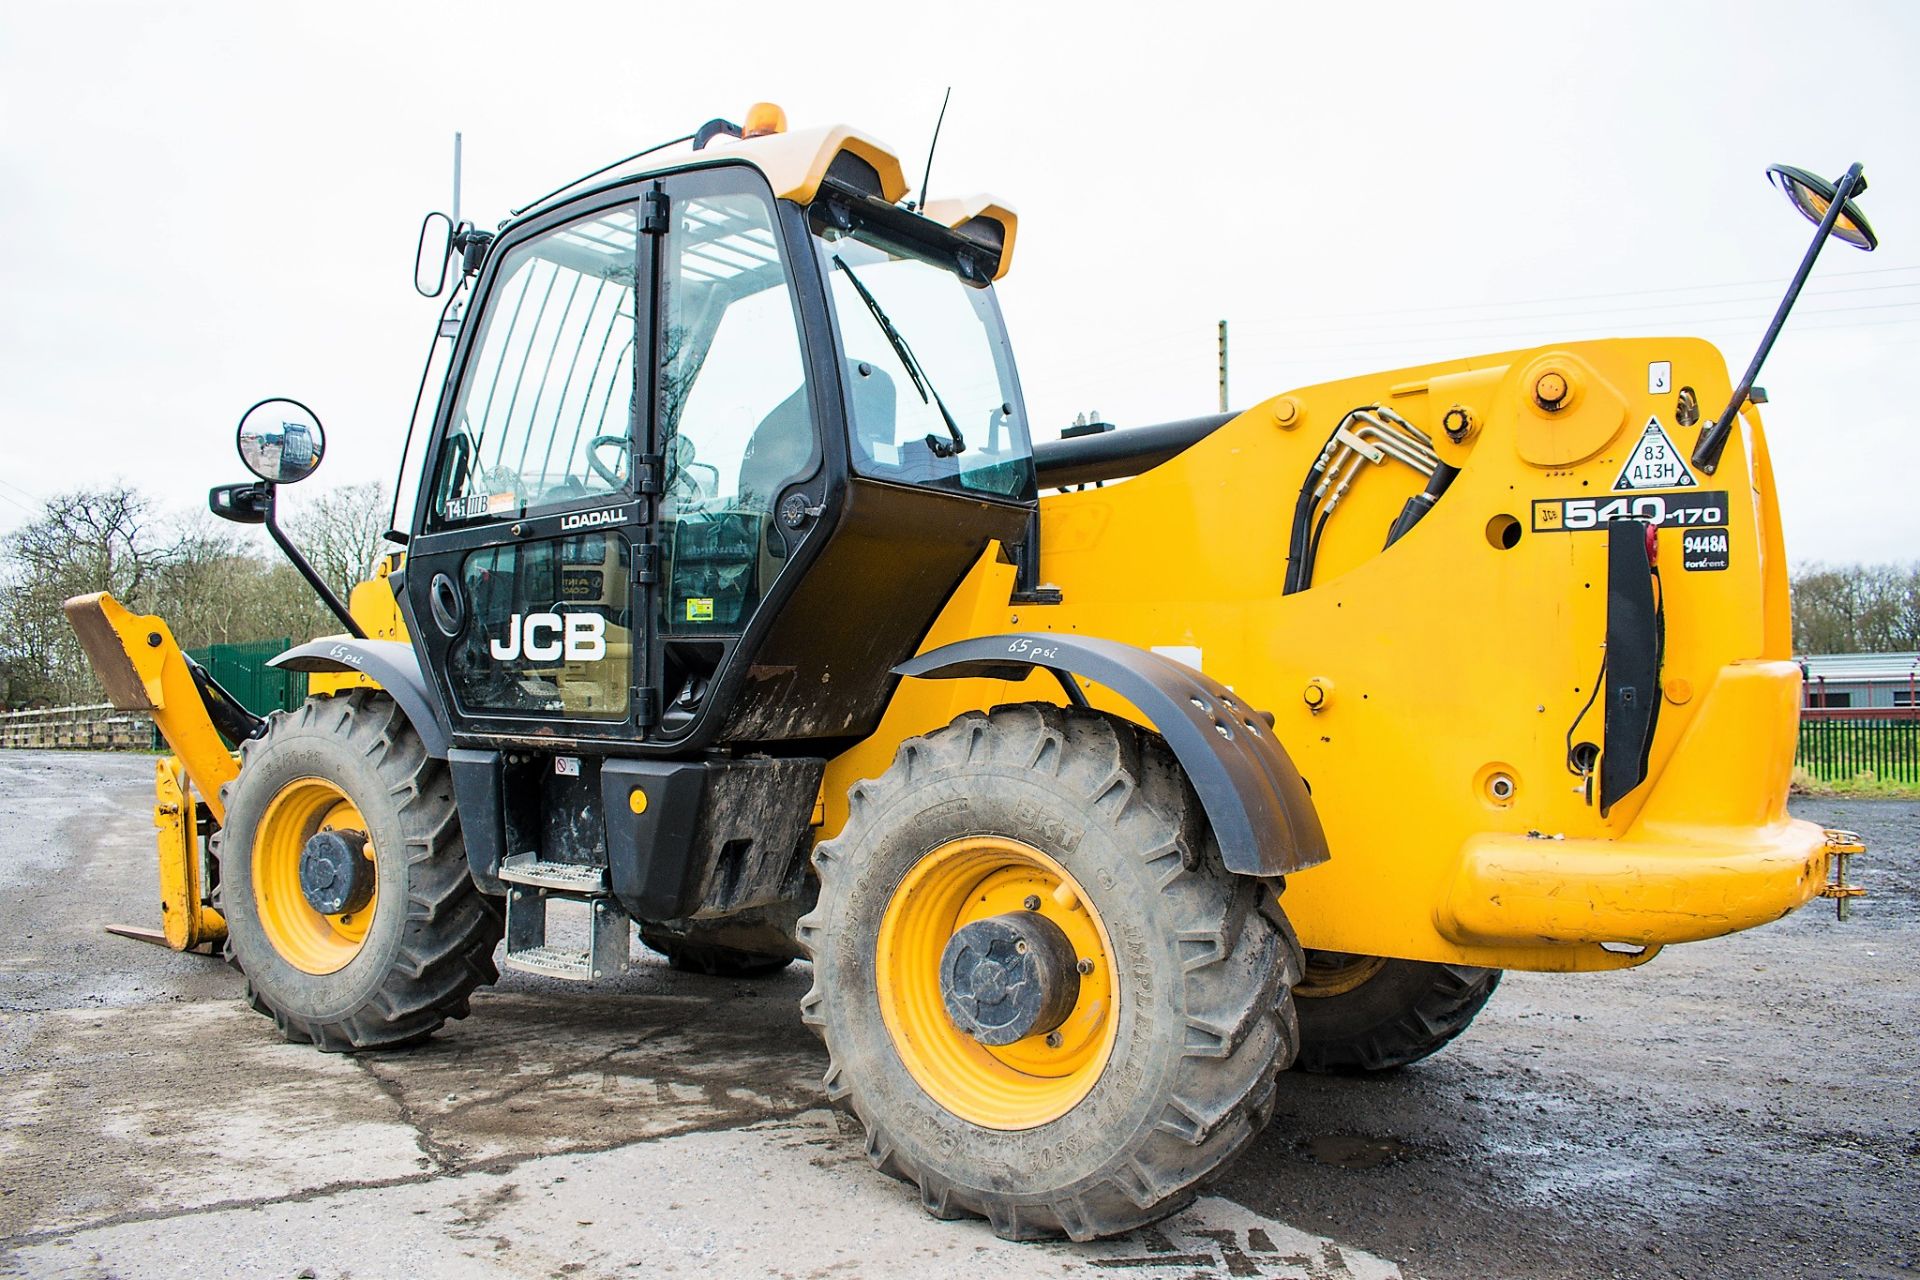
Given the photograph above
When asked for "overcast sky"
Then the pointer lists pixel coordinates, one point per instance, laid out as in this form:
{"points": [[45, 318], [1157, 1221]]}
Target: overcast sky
{"points": [[206, 204]]}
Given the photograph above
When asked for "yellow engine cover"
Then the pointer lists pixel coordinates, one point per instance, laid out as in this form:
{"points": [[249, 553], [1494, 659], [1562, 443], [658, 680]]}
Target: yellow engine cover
{"points": [[1426, 690]]}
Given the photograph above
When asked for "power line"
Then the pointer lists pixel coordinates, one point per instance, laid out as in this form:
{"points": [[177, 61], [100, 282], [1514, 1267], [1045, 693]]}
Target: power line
{"points": [[1083, 375], [1318, 325], [1486, 328], [1586, 312], [1622, 293]]}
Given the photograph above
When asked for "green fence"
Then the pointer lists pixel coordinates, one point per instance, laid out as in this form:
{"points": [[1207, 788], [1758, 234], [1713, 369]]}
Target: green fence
{"points": [[242, 671], [1840, 750]]}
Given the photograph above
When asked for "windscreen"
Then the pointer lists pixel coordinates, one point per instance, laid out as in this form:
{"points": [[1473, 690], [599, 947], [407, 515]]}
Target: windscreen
{"points": [[935, 402]]}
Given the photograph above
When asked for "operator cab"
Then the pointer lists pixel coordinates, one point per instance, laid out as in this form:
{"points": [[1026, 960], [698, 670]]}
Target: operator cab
{"points": [[718, 440]]}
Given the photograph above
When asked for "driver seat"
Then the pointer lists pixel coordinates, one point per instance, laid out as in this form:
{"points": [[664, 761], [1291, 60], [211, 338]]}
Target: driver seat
{"points": [[781, 449]]}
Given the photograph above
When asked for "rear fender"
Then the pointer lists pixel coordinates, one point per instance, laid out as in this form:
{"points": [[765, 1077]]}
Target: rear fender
{"points": [[390, 664], [1253, 795]]}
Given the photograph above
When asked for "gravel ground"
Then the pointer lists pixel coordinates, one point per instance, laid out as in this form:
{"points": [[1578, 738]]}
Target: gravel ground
{"points": [[1737, 1108]]}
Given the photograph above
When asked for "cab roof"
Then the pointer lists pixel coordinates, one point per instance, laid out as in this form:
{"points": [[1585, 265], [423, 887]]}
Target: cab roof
{"points": [[797, 164]]}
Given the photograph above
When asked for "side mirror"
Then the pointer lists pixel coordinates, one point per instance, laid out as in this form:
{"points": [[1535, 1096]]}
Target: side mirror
{"points": [[1829, 206], [431, 255], [1813, 196], [281, 441]]}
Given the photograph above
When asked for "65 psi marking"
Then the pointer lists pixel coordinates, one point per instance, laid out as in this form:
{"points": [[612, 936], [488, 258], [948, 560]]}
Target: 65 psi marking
{"points": [[1665, 510]]}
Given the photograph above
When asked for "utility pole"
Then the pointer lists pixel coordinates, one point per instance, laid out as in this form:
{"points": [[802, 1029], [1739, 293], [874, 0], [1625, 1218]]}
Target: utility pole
{"points": [[1223, 366]]}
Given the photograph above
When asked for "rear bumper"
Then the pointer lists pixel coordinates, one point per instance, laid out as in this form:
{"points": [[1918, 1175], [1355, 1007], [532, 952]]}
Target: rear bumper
{"points": [[1520, 889], [1711, 850]]}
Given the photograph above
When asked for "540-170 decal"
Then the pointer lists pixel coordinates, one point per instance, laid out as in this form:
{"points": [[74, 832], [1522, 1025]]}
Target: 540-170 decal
{"points": [[1690, 510]]}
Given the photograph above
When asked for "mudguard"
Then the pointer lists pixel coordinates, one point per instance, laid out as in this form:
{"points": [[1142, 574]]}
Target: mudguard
{"points": [[388, 663], [1253, 795]]}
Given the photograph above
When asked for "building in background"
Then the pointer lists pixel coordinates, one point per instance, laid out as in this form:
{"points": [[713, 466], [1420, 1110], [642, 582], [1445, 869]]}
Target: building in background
{"points": [[1861, 682]]}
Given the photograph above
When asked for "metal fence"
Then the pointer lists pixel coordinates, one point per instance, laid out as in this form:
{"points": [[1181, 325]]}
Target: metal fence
{"points": [[1839, 748], [242, 671]]}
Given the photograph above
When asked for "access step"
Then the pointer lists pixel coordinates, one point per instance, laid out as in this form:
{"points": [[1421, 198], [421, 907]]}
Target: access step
{"points": [[603, 933], [561, 877]]}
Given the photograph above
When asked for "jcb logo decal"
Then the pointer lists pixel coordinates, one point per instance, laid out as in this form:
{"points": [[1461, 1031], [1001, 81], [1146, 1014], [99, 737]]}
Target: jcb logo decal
{"points": [[544, 637]]}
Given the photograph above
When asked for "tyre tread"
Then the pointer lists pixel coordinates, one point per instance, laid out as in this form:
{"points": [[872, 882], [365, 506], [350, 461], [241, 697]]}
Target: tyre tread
{"points": [[451, 928], [1237, 983]]}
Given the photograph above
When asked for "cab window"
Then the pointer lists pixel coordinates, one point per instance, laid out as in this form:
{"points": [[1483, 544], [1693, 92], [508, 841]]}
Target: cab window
{"points": [[934, 402], [545, 412]]}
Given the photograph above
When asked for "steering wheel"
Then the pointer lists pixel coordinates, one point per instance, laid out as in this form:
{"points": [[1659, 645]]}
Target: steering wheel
{"points": [[694, 495], [616, 475]]}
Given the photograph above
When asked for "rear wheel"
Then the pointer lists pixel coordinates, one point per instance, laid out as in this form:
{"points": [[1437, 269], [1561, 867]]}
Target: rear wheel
{"points": [[343, 880], [1042, 994], [1371, 1013], [689, 953]]}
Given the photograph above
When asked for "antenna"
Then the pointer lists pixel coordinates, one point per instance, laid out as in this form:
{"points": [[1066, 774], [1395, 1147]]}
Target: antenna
{"points": [[456, 180], [928, 172]]}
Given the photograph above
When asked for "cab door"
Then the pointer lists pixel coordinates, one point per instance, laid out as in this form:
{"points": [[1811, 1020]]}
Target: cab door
{"points": [[745, 478], [520, 580]]}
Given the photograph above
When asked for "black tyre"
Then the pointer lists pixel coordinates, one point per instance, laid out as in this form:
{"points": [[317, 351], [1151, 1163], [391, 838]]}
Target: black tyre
{"points": [[415, 935], [1369, 1013], [1072, 826], [690, 954]]}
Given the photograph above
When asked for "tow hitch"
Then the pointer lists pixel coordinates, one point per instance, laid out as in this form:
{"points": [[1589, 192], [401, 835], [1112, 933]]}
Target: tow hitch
{"points": [[1842, 846]]}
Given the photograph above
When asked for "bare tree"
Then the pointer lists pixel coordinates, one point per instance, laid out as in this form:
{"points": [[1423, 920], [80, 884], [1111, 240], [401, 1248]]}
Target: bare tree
{"points": [[213, 583], [1856, 608], [88, 540]]}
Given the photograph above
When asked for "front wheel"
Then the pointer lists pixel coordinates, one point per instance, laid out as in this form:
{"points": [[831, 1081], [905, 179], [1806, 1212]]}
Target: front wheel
{"points": [[1041, 992], [344, 882]]}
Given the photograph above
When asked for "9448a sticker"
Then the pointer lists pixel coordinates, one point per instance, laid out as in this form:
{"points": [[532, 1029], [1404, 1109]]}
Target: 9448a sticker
{"points": [[1664, 510], [1704, 549]]}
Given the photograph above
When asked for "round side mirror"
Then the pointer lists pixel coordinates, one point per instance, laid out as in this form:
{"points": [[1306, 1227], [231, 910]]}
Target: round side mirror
{"points": [[281, 441], [1813, 196]]}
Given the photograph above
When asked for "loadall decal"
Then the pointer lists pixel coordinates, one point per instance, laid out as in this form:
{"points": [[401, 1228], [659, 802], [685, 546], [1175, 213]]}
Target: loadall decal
{"points": [[1666, 510]]}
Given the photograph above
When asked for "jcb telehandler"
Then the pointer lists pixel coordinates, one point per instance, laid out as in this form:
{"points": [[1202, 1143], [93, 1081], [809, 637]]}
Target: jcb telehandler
{"points": [[730, 606]]}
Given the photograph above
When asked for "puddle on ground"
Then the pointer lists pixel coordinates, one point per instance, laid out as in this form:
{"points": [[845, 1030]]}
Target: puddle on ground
{"points": [[1355, 1151]]}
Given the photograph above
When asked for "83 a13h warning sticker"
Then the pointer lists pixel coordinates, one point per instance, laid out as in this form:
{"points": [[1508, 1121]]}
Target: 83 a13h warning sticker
{"points": [[1654, 462]]}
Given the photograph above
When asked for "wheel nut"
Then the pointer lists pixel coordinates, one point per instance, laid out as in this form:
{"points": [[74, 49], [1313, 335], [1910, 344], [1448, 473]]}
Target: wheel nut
{"points": [[1032, 903], [1053, 1039], [1085, 966]]}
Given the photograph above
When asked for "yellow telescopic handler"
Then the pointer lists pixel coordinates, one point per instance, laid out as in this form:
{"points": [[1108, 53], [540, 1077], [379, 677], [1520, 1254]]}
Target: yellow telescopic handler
{"points": [[1100, 779]]}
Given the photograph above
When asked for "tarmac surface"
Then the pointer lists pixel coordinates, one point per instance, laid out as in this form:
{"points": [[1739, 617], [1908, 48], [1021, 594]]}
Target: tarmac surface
{"points": [[1743, 1107]]}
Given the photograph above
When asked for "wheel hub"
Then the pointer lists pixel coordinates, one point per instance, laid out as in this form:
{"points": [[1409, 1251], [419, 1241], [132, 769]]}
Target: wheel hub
{"points": [[335, 874], [1009, 976]]}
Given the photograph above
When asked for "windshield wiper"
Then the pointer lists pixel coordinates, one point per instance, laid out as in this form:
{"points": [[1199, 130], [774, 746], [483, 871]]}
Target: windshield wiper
{"points": [[921, 383]]}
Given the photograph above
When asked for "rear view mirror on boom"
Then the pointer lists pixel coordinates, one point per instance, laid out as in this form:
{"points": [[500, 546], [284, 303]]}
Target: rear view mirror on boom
{"points": [[1829, 206]]}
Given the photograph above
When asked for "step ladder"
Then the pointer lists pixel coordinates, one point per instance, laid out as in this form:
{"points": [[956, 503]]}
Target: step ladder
{"points": [[531, 886]]}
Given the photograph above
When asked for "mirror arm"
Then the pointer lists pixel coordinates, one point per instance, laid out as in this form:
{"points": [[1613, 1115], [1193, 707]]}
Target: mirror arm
{"points": [[314, 580], [1713, 441]]}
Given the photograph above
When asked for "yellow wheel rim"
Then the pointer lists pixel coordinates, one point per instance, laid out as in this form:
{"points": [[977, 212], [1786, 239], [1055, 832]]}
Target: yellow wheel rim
{"points": [[1031, 1081], [1334, 973], [303, 937]]}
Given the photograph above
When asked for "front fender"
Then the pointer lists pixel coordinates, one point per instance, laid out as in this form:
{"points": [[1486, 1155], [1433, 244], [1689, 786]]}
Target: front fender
{"points": [[1255, 799], [390, 664]]}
